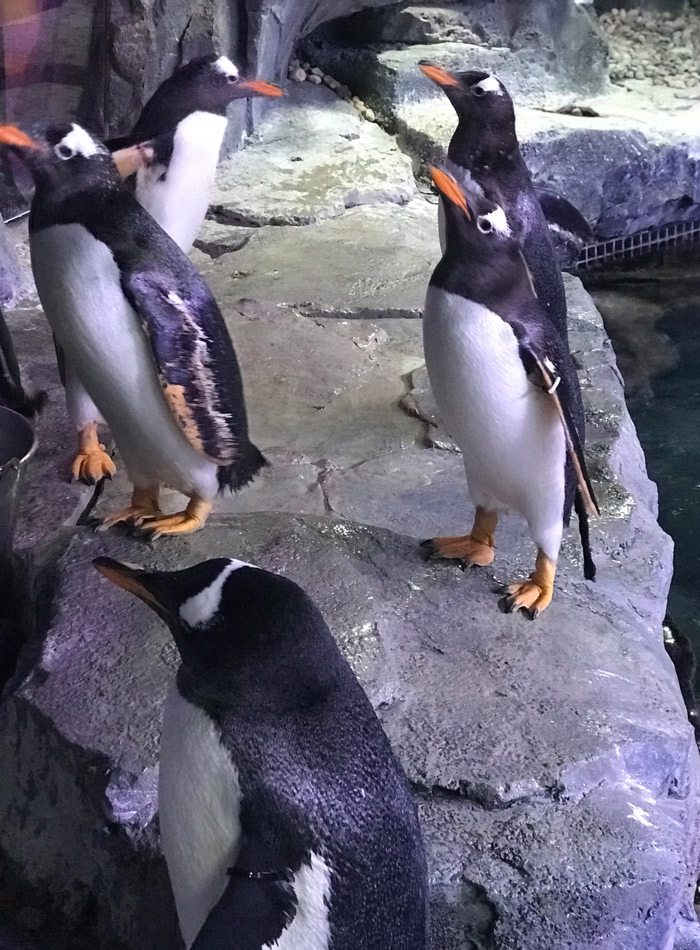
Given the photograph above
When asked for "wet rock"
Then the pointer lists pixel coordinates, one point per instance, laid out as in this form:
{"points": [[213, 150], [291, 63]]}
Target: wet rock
{"points": [[374, 259], [321, 159]]}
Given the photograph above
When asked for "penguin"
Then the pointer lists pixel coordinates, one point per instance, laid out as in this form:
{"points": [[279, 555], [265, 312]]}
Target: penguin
{"points": [[140, 328], [506, 388], [286, 820], [485, 145], [171, 157], [173, 150]]}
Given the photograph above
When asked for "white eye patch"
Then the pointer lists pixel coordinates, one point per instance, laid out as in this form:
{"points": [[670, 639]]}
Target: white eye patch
{"points": [[494, 221], [198, 610], [490, 84], [77, 142], [224, 65]]}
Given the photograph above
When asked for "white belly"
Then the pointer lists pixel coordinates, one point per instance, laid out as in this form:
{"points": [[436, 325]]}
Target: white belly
{"points": [[78, 282], [180, 200], [508, 429], [199, 807]]}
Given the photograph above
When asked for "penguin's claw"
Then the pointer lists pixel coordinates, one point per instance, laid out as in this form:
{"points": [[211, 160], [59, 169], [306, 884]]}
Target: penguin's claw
{"points": [[463, 548], [133, 515], [182, 522], [91, 465], [527, 595]]}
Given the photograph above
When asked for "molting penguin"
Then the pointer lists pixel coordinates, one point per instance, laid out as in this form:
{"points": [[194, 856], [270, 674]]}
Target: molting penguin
{"points": [[140, 328], [172, 153], [507, 390], [485, 145], [174, 146], [286, 821]]}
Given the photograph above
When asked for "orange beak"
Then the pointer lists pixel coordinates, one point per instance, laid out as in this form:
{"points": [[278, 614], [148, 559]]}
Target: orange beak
{"points": [[448, 187], [261, 88], [439, 75], [11, 135]]}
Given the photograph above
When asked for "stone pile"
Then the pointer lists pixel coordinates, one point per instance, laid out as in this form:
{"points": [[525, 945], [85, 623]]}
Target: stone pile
{"points": [[661, 47], [305, 72]]}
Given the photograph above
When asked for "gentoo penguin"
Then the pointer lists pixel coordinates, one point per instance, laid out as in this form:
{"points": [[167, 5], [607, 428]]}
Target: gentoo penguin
{"points": [[140, 328], [172, 154], [485, 145], [286, 821], [506, 388], [174, 147]]}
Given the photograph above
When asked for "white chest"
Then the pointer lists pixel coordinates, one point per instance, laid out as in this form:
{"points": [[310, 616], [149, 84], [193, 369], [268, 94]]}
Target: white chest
{"points": [[178, 197], [507, 428], [199, 808]]}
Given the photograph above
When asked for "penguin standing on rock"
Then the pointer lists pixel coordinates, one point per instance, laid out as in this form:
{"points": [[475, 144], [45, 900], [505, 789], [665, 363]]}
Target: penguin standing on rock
{"points": [[507, 390], [286, 821], [171, 155], [485, 146], [173, 149], [140, 328]]}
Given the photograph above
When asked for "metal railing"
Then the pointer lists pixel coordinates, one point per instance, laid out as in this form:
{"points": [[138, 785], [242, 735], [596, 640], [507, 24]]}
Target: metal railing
{"points": [[642, 244]]}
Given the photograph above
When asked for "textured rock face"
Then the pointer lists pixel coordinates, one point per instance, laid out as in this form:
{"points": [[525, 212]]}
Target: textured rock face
{"points": [[543, 49], [556, 775], [135, 45]]}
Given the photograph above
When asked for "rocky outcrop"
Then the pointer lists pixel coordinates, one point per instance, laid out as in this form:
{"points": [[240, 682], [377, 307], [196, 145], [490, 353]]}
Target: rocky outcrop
{"points": [[555, 771]]}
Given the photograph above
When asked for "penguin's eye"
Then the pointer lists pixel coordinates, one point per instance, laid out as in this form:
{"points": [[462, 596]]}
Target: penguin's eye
{"points": [[484, 225], [478, 90], [231, 78], [64, 151]]}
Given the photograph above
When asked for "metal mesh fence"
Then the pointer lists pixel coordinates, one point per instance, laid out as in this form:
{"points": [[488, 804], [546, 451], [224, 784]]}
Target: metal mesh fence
{"points": [[643, 244]]}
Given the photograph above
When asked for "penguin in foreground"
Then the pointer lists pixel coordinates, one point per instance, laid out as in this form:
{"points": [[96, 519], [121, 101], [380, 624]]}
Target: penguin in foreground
{"points": [[171, 155], [286, 821], [173, 149], [140, 328], [486, 146], [506, 387]]}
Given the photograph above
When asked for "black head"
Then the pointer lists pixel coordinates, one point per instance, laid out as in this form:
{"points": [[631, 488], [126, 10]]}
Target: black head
{"points": [[483, 258], [206, 84], [64, 160], [486, 128], [472, 216], [246, 637]]}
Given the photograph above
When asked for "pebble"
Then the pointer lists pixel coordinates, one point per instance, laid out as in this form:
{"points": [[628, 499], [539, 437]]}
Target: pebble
{"points": [[294, 63], [314, 78], [317, 71], [369, 114], [297, 74], [661, 47]]}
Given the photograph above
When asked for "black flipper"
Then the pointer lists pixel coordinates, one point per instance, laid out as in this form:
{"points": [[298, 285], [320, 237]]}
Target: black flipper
{"points": [[252, 912], [551, 383], [589, 568], [561, 214], [197, 367]]}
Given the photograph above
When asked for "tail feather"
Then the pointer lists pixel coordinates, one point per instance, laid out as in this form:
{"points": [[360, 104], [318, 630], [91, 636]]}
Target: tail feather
{"points": [[589, 568], [249, 461]]}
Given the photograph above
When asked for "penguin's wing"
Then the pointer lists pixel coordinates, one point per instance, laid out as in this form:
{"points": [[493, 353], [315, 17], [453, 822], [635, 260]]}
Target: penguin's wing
{"points": [[547, 366], [194, 359], [252, 913], [562, 215]]}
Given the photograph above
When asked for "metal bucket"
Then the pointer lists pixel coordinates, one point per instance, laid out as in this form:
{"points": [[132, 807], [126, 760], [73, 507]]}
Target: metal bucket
{"points": [[17, 444]]}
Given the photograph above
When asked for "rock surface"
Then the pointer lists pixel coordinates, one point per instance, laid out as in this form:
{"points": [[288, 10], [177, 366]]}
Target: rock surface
{"points": [[556, 775]]}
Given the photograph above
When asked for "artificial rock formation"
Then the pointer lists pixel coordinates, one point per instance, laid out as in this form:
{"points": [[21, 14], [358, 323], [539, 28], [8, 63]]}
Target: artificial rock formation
{"points": [[556, 774]]}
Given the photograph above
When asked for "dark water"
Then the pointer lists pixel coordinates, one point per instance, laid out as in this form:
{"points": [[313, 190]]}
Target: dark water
{"points": [[654, 323]]}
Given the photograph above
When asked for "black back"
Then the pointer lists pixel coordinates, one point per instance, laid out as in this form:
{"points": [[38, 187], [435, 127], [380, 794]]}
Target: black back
{"points": [[316, 771], [485, 143], [198, 85]]}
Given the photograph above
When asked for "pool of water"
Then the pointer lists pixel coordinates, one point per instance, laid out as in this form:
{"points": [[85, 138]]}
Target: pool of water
{"points": [[653, 319]]}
